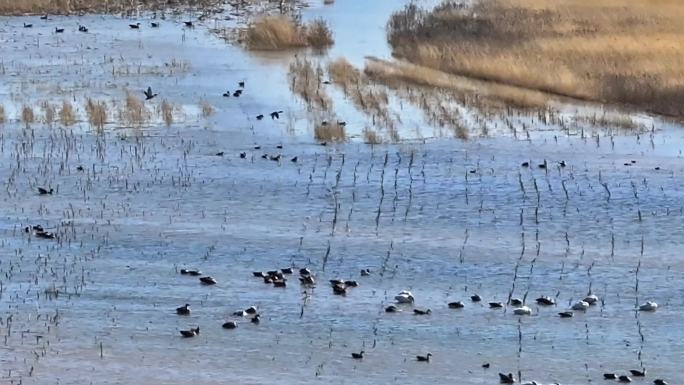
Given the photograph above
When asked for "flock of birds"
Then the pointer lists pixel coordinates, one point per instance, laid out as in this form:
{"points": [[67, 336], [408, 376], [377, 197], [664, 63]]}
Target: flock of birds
{"points": [[278, 278], [82, 28]]}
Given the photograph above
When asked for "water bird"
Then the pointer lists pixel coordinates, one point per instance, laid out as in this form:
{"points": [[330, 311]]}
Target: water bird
{"points": [[279, 283], [339, 289], [542, 165], [425, 358], [581, 306], [341, 124], [649, 306], [240, 313], [268, 279], [256, 319], [260, 116], [516, 302], [304, 271], [241, 84], [190, 272], [566, 314], [495, 305], [365, 272], [275, 158], [323, 144], [43, 191], [422, 312], [524, 310], [659, 381], [208, 280], [525, 164], [294, 159], [506, 378], [59, 30], [237, 93], [624, 379], [307, 280], [486, 365], [134, 26], [391, 309], [45, 235], [280, 146], [243, 155], [28, 25], [287, 270], [230, 325], [638, 373], [657, 168], [546, 301], [351, 283], [357, 356], [188, 24], [591, 299], [44, 17], [79, 168], [148, 93], [259, 274], [475, 298], [38, 228], [610, 376], [276, 114], [220, 153], [562, 163], [190, 333], [404, 296], [183, 310], [226, 94], [456, 305], [265, 156], [155, 24], [82, 28]]}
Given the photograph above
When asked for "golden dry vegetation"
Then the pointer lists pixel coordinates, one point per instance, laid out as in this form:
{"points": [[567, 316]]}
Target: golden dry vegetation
{"points": [[601, 50], [21, 7], [276, 32]]}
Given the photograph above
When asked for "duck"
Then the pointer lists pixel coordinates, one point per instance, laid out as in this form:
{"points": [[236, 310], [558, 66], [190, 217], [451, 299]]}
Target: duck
{"points": [[456, 305], [265, 156], [610, 376], [506, 378], [286, 270], [516, 302], [404, 296], [523, 310], [188, 24], [525, 164], [226, 94], [59, 30], [659, 381], [624, 378], [486, 365], [562, 163], [276, 114], [542, 166], [279, 283], [260, 116], [566, 314], [229, 325], [44, 17], [258, 274], [194, 273], [148, 94], [155, 24], [268, 279], [220, 153], [183, 310], [351, 283], [45, 235], [339, 289], [134, 26], [591, 299], [546, 301], [82, 28], [28, 25], [391, 309], [422, 312], [649, 306], [495, 305], [365, 272], [304, 271], [241, 84], [638, 373], [243, 155], [581, 306], [425, 358], [358, 356], [80, 168], [275, 158], [190, 333], [44, 191], [256, 319], [475, 298], [240, 313], [294, 159], [208, 280], [237, 93], [307, 280]]}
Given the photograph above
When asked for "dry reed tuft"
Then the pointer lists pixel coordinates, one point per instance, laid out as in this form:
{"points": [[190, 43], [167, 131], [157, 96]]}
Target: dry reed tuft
{"points": [[49, 113], [305, 81], [3, 118], [599, 50], [166, 110], [207, 108], [134, 111], [66, 114], [282, 32], [97, 114], [27, 115], [371, 137], [330, 132]]}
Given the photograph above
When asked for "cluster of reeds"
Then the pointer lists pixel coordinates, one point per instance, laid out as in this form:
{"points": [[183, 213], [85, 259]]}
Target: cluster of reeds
{"points": [[282, 32]]}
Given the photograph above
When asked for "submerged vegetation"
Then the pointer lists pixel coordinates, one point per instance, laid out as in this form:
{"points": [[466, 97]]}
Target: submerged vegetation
{"points": [[594, 50]]}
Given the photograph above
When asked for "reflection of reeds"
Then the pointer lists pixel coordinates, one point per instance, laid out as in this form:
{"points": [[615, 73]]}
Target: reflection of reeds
{"points": [[166, 110], [27, 116], [282, 32], [207, 108], [66, 114], [97, 113]]}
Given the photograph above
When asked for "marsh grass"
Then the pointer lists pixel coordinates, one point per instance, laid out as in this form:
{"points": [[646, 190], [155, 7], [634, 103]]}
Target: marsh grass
{"points": [[277, 32], [48, 113], [206, 108], [3, 117], [600, 50], [331, 132], [27, 115], [370, 136], [22, 7], [97, 114], [67, 116], [305, 81], [166, 111], [134, 112]]}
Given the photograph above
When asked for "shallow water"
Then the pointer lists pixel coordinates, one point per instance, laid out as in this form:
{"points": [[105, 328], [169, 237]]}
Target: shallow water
{"points": [[152, 201]]}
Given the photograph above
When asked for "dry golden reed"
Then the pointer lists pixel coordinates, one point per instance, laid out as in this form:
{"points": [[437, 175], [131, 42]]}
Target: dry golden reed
{"points": [[330, 132], [282, 32], [97, 114], [27, 115], [166, 110], [134, 111], [49, 113], [207, 108], [67, 116]]}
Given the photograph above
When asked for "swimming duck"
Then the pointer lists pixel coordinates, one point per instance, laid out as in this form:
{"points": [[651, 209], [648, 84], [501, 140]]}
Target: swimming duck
{"points": [[351, 283], [495, 305], [649, 306], [638, 373], [307, 280], [44, 17], [45, 235], [294, 159], [566, 314], [404, 296], [516, 302], [524, 310], [276, 158], [486, 365], [256, 319], [148, 93], [456, 305], [79, 168], [475, 298], [208, 280], [273, 273], [260, 116], [220, 153], [237, 93], [258, 274], [365, 272], [546, 301], [581, 305], [155, 24], [268, 279], [357, 356], [422, 312], [190, 333], [59, 30], [279, 283], [287, 270], [226, 94], [183, 310], [334, 282], [82, 28], [391, 309], [339, 289], [624, 379], [243, 155], [43, 191], [240, 313], [425, 358], [304, 271], [188, 24], [610, 376], [230, 325], [506, 378], [525, 164], [251, 310], [658, 381], [241, 84], [591, 299], [134, 26], [194, 273]]}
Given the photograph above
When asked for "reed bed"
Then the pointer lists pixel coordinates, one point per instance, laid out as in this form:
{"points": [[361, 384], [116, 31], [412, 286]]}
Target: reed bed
{"points": [[67, 116], [97, 113], [27, 115], [22, 7], [281, 32]]}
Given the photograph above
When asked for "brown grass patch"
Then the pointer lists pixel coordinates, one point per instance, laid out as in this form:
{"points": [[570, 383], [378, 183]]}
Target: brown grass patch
{"points": [[166, 110], [27, 115], [134, 111], [599, 50], [3, 118], [207, 108], [48, 113], [371, 137], [305, 81], [66, 114], [97, 114], [330, 132], [282, 32]]}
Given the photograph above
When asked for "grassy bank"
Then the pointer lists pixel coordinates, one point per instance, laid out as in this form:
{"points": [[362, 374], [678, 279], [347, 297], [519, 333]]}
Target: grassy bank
{"points": [[23, 7], [600, 50]]}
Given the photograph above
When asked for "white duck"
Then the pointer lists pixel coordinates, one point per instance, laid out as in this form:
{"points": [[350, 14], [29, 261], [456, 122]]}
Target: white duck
{"points": [[404, 296], [523, 310], [649, 306], [581, 305]]}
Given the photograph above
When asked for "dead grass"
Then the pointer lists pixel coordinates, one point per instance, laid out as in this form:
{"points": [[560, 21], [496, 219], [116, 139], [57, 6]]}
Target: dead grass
{"points": [[330, 132], [66, 114], [207, 109], [21, 7], [97, 114], [166, 110], [305, 81], [600, 50], [134, 112], [282, 32], [371, 137], [48, 113], [3, 117], [27, 115]]}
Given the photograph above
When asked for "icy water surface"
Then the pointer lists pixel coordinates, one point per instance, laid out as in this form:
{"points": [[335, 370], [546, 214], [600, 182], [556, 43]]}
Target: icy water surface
{"points": [[444, 218]]}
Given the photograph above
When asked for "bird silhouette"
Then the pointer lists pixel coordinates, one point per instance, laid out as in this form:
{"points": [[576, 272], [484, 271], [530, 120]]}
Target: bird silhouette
{"points": [[148, 93], [28, 25], [188, 24], [155, 25], [59, 30], [276, 114], [134, 26]]}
